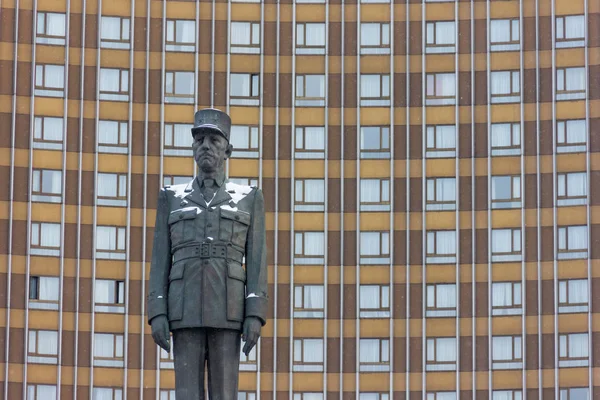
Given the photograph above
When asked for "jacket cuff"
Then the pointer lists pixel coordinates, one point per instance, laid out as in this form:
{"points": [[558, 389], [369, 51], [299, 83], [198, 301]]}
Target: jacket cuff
{"points": [[257, 307], [156, 306]]}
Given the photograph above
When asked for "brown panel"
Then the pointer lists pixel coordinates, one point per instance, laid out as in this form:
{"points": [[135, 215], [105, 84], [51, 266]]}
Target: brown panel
{"points": [[3, 237], [25, 26], [334, 149], [594, 81], [547, 243], [593, 30], [74, 76], [15, 390], [416, 95], [5, 124], [416, 300], [416, 195], [154, 139], [6, 71], [89, 83], [68, 292], [530, 143], [5, 178], [334, 196], [349, 195], [481, 140], [284, 194], [349, 303], [283, 354], [268, 188], [547, 350], [135, 296], [137, 189], [481, 198], [534, 394], [335, 38], [399, 194], [7, 25], [285, 142], [221, 36], [152, 189], [399, 142], [154, 90], [531, 356], [16, 347], [595, 295], [399, 89], [595, 239], [595, 139], [286, 44], [156, 34], [3, 300], [333, 245], [399, 301], [466, 246], [465, 194], [464, 36], [465, 308], [545, 85], [350, 90], [464, 89], [87, 188], [464, 140], [545, 33], [333, 301], [283, 301], [547, 297], [547, 193], [139, 86], [220, 87], [349, 356], [19, 239], [266, 354], [481, 299], [150, 349], [400, 247], [83, 352], [285, 90], [70, 192], [91, 31], [333, 355], [529, 86], [531, 253], [595, 189], [75, 31], [335, 85], [481, 350], [71, 232], [22, 131], [284, 247], [350, 142], [466, 349], [137, 138], [268, 96], [416, 247], [268, 145], [68, 350], [73, 134], [415, 44], [529, 32], [399, 356], [416, 142], [271, 294], [133, 350], [480, 87], [85, 295], [596, 349], [86, 242], [139, 34], [416, 351], [480, 36], [350, 38], [270, 46], [466, 395]]}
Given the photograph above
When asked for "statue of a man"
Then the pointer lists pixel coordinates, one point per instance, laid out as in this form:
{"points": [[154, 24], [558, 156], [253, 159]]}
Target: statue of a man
{"points": [[199, 290]]}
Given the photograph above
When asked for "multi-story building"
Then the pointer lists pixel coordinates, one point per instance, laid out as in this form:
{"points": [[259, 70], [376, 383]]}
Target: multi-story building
{"points": [[430, 171]]}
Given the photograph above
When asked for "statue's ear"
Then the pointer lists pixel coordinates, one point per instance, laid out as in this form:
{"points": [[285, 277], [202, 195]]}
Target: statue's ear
{"points": [[228, 151]]}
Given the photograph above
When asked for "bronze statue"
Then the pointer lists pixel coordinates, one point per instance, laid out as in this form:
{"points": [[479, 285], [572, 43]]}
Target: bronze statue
{"points": [[199, 289]]}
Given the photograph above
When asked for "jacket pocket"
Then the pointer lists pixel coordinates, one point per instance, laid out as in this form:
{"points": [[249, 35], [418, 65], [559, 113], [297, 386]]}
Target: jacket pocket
{"points": [[182, 225], [175, 297], [236, 291], [234, 226]]}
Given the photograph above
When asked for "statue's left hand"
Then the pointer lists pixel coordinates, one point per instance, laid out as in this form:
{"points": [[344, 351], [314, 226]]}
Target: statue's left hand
{"points": [[250, 333]]}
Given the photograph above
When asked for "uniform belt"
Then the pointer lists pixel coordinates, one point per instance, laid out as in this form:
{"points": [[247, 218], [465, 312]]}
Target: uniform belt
{"points": [[208, 250]]}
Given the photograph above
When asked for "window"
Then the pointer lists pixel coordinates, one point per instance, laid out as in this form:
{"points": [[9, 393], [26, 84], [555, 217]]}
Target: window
{"points": [[112, 189], [49, 80], [308, 301], [504, 35], [572, 242], [575, 394], [505, 139], [374, 195], [44, 292], [248, 363], [507, 352], [440, 37], [245, 141], [506, 244], [170, 180], [374, 301], [310, 142], [240, 181], [441, 141], [441, 354], [573, 350], [169, 395], [46, 186], [505, 86], [309, 248], [374, 247], [245, 37], [48, 133], [507, 395], [374, 38], [309, 195], [441, 395], [571, 136], [375, 142], [107, 394], [440, 89], [112, 136], [441, 300], [45, 239], [441, 247], [308, 396], [41, 392], [310, 38], [181, 35], [572, 188], [42, 347], [243, 395], [109, 296], [51, 28], [308, 355], [506, 298], [374, 355], [570, 83], [375, 1], [110, 242], [506, 191], [114, 84], [373, 396], [167, 359], [178, 140], [441, 194], [374, 90], [108, 350], [570, 31], [114, 33], [573, 296], [310, 90], [244, 90], [179, 87]]}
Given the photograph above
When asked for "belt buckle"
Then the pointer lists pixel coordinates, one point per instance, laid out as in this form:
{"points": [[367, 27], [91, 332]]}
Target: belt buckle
{"points": [[204, 250]]}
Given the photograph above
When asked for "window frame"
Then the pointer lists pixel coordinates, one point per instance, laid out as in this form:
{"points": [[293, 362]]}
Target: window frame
{"points": [[122, 128], [45, 38], [178, 180], [382, 47], [516, 298], [300, 136], [514, 44], [35, 246], [383, 362], [300, 307], [301, 47], [383, 202], [562, 80], [381, 153], [171, 44], [516, 362], [171, 96], [383, 257], [383, 97], [515, 199], [563, 251], [564, 344], [432, 363], [513, 96], [566, 303], [171, 130], [513, 149], [118, 347], [308, 259], [33, 297], [501, 394], [435, 203], [435, 257], [562, 186], [432, 98], [33, 391], [114, 392], [516, 253], [36, 355], [432, 135], [247, 181], [302, 100], [37, 179], [563, 145], [300, 195], [242, 48], [432, 297], [118, 302], [120, 199], [382, 299], [253, 138], [298, 360], [120, 250], [565, 393], [253, 97], [560, 30], [248, 363], [167, 360], [431, 46], [124, 33], [124, 87], [40, 87], [39, 133]]}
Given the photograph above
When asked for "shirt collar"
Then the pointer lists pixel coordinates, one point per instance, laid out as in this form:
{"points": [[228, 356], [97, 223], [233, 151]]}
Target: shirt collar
{"points": [[219, 179]]}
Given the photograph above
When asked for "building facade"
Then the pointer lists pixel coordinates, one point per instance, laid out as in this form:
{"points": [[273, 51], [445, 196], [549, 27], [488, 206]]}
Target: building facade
{"points": [[431, 172]]}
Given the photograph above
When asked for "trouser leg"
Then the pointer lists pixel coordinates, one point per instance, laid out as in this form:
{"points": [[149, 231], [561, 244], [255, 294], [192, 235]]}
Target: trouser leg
{"points": [[190, 356], [223, 363]]}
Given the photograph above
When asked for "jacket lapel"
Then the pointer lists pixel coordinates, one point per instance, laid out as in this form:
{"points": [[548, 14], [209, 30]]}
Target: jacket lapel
{"points": [[221, 195], [194, 194]]}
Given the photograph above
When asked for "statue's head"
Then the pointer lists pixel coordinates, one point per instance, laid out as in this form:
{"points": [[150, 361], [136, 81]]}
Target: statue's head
{"points": [[211, 139]]}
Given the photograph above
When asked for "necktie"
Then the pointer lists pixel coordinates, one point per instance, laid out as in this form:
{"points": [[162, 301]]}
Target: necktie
{"points": [[209, 189]]}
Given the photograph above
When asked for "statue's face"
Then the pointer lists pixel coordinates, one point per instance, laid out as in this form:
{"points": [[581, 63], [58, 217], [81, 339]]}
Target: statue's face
{"points": [[211, 150]]}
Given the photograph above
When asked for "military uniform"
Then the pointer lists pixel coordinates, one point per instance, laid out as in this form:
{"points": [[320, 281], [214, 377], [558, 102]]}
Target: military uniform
{"points": [[198, 281]]}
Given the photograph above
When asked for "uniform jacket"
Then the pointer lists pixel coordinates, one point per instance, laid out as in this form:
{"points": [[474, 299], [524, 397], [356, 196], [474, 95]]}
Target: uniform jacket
{"points": [[197, 277]]}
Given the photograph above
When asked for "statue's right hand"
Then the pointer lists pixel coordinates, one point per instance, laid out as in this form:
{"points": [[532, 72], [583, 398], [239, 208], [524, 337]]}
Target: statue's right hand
{"points": [[160, 332]]}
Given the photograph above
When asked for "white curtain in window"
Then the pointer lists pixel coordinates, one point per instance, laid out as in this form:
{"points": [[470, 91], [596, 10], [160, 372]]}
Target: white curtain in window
{"points": [[184, 83], [49, 288], [501, 240], [577, 184], [50, 235], [239, 137], [314, 86], [314, 190], [446, 296], [502, 294], [575, 27], [240, 85], [53, 129], [240, 33], [370, 34], [47, 342], [314, 243], [445, 137], [500, 31], [55, 24], [576, 131], [370, 86], [575, 79], [445, 242], [369, 297], [445, 85], [313, 351], [51, 182], [107, 185], [577, 238], [370, 244], [505, 395], [104, 291], [446, 189], [313, 297], [103, 394], [104, 345], [501, 134], [45, 392], [108, 132], [370, 190], [578, 291], [446, 349], [106, 238], [111, 28], [445, 32], [182, 136], [54, 76], [109, 80], [369, 351], [315, 34], [502, 348], [314, 138], [578, 345], [445, 396], [501, 82], [186, 31]]}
